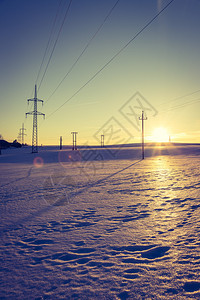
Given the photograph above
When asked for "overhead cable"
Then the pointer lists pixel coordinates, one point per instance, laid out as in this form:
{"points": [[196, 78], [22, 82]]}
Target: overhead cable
{"points": [[54, 46], [85, 48], [115, 56]]}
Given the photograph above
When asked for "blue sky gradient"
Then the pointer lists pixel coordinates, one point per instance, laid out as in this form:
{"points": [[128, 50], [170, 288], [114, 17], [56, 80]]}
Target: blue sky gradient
{"points": [[162, 64]]}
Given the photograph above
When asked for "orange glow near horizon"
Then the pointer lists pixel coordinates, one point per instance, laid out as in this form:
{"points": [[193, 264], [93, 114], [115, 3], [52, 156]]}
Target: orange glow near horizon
{"points": [[160, 135]]}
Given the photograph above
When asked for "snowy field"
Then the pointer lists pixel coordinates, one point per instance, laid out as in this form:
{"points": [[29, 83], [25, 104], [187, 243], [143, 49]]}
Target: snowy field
{"points": [[100, 224]]}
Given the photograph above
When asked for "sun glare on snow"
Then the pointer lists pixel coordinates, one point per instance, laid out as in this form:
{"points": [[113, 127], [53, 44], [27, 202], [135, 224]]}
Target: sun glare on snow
{"points": [[160, 135]]}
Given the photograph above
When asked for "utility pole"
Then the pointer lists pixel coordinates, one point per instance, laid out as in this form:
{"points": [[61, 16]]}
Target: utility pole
{"points": [[60, 142], [74, 147], [142, 119], [22, 134], [102, 140], [35, 113]]}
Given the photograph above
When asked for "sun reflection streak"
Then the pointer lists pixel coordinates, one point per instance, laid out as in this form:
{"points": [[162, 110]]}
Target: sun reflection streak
{"points": [[159, 149], [165, 178], [163, 204]]}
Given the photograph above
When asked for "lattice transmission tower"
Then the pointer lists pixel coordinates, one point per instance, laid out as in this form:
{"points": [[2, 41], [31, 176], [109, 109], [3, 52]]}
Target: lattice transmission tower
{"points": [[22, 134], [35, 113]]}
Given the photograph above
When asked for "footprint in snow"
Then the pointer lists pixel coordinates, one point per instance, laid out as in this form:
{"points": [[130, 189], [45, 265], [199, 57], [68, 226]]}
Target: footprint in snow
{"points": [[83, 250], [43, 242], [123, 295], [133, 270], [191, 286], [155, 252], [132, 273]]}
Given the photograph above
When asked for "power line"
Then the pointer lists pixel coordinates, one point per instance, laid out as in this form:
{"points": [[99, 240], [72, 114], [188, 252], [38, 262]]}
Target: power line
{"points": [[45, 52], [181, 105], [180, 97], [85, 48], [48, 43], [54, 46], [118, 53]]}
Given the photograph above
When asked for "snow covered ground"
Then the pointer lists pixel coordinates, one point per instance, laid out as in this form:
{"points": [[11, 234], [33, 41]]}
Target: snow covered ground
{"points": [[99, 224]]}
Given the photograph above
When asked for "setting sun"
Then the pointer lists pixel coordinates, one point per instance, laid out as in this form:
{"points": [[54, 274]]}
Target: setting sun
{"points": [[160, 135]]}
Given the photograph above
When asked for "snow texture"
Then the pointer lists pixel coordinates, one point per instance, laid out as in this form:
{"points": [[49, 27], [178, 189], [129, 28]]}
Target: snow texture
{"points": [[100, 224]]}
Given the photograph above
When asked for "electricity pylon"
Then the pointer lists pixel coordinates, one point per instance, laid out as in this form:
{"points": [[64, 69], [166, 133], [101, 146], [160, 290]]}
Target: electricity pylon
{"points": [[35, 113], [142, 119], [22, 134], [19, 137]]}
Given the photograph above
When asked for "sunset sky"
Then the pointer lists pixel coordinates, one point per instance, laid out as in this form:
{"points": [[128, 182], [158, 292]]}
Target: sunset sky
{"points": [[161, 65]]}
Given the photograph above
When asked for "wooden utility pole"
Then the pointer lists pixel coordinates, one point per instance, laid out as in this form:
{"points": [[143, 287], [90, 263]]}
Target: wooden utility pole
{"points": [[142, 118]]}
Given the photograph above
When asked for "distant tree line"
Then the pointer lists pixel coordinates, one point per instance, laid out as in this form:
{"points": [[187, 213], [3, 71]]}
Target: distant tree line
{"points": [[4, 144]]}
